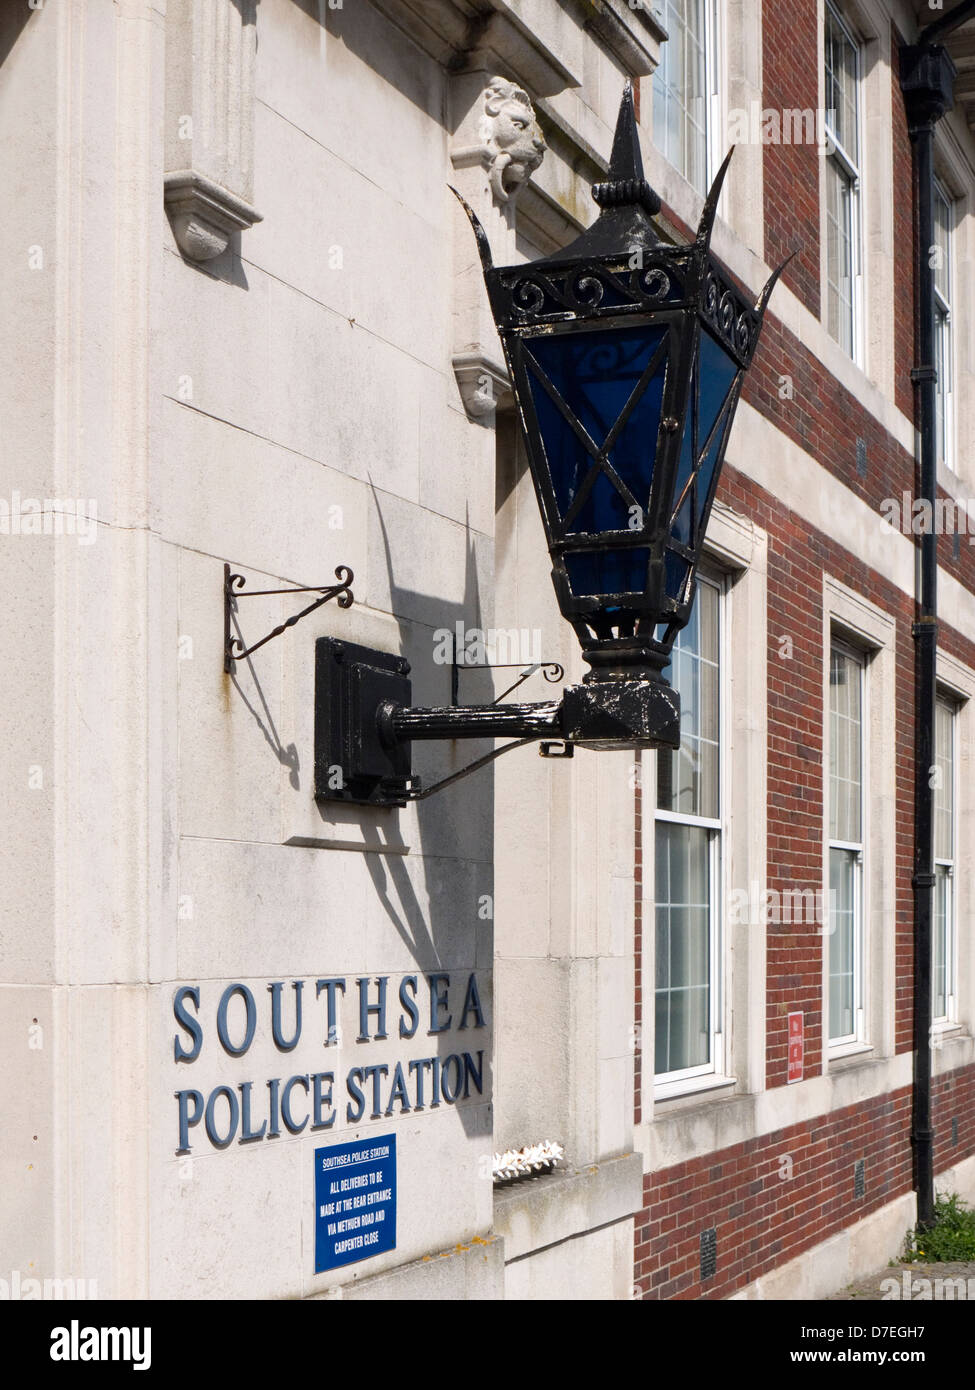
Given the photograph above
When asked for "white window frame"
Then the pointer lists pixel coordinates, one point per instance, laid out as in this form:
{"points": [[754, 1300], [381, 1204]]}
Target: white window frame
{"points": [[677, 1082], [858, 851], [956, 685], [944, 331], [850, 164], [950, 1016], [850, 617], [713, 49]]}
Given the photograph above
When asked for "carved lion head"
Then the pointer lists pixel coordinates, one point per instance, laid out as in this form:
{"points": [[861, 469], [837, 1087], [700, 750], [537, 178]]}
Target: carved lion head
{"points": [[511, 133]]}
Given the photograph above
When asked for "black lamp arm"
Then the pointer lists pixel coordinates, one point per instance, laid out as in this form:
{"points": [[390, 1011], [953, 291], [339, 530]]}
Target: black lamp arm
{"points": [[401, 724]]}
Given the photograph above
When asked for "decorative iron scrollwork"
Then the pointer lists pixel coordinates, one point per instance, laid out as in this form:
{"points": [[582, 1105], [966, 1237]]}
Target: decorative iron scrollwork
{"points": [[234, 649], [582, 291], [552, 671], [588, 289], [655, 283]]}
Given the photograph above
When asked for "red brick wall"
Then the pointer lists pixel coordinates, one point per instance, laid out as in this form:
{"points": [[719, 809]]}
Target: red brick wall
{"points": [[761, 1224], [790, 73], [792, 388], [797, 558], [638, 942], [761, 1219], [773, 1197]]}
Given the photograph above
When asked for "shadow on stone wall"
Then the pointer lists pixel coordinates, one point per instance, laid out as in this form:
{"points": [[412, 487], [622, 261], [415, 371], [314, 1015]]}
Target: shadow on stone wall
{"points": [[426, 932], [13, 20]]}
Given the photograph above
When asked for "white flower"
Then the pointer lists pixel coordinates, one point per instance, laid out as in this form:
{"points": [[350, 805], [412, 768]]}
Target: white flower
{"points": [[533, 1158]]}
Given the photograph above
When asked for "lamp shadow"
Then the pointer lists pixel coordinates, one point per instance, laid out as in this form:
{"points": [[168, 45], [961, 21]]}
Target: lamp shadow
{"points": [[452, 867]]}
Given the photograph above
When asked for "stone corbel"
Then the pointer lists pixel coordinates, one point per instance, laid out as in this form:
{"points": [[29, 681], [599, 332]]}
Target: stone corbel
{"points": [[209, 147], [483, 383], [204, 215]]}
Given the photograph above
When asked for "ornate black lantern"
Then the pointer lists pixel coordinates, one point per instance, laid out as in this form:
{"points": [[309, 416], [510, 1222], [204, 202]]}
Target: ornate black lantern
{"points": [[627, 356]]}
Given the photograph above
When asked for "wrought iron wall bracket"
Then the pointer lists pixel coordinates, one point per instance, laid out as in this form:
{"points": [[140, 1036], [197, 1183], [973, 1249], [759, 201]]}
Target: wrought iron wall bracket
{"points": [[553, 672], [234, 649], [365, 724], [416, 791]]}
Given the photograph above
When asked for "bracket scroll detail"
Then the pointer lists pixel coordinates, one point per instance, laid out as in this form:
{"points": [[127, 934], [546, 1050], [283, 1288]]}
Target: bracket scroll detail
{"points": [[234, 649]]}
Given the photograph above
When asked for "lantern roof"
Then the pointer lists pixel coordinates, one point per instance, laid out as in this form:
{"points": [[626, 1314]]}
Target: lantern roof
{"points": [[621, 265], [627, 202]]}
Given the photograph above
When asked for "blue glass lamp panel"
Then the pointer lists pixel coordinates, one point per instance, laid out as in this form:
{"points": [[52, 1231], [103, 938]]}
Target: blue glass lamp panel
{"points": [[676, 570], [569, 462], [604, 508], [681, 530], [595, 372], [706, 472], [687, 519], [713, 379], [686, 460], [596, 573], [596, 375], [633, 454], [716, 376]]}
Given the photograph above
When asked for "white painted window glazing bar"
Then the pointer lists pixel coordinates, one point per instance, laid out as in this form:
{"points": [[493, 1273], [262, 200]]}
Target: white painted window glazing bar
{"points": [[944, 216], [846, 845], [844, 272], [688, 868], [943, 987], [686, 108]]}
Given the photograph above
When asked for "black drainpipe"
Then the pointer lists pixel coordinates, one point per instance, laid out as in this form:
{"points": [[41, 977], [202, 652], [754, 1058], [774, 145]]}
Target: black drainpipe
{"points": [[927, 76]]}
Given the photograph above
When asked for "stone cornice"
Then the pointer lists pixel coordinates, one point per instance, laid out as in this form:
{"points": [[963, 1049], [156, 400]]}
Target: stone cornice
{"points": [[633, 35]]}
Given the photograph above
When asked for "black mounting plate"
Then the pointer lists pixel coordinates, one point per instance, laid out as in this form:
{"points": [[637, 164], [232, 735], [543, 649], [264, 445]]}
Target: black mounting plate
{"points": [[351, 763]]}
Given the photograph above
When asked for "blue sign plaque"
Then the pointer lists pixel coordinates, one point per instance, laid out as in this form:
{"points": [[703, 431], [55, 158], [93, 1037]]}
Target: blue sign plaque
{"points": [[355, 1201]]}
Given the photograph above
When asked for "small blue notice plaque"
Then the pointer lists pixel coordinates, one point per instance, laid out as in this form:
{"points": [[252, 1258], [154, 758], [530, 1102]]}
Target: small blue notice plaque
{"points": [[355, 1201]]}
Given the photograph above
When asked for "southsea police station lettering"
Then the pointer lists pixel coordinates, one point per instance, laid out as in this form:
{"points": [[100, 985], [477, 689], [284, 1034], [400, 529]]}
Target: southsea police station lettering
{"points": [[306, 1099]]}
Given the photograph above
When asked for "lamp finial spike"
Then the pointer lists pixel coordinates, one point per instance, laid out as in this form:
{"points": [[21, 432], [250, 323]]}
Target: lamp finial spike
{"points": [[626, 161], [625, 183]]}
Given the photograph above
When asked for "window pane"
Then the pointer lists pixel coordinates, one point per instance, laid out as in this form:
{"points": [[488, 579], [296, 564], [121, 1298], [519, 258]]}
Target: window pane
{"points": [[942, 361], [841, 85], [680, 90], [683, 948], [842, 943], [687, 781], [944, 781], [940, 987], [942, 230], [841, 57], [943, 222], [845, 735], [839, 255]]}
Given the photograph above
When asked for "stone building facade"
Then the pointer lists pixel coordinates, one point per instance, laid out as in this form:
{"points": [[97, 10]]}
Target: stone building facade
{"points": [[248, 329]]}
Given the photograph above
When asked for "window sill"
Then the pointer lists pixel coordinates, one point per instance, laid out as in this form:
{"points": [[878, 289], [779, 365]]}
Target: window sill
{"points": [[844, 1051], [692, 1086], [947, 1028], [952, 1045], [946, 1032]]}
